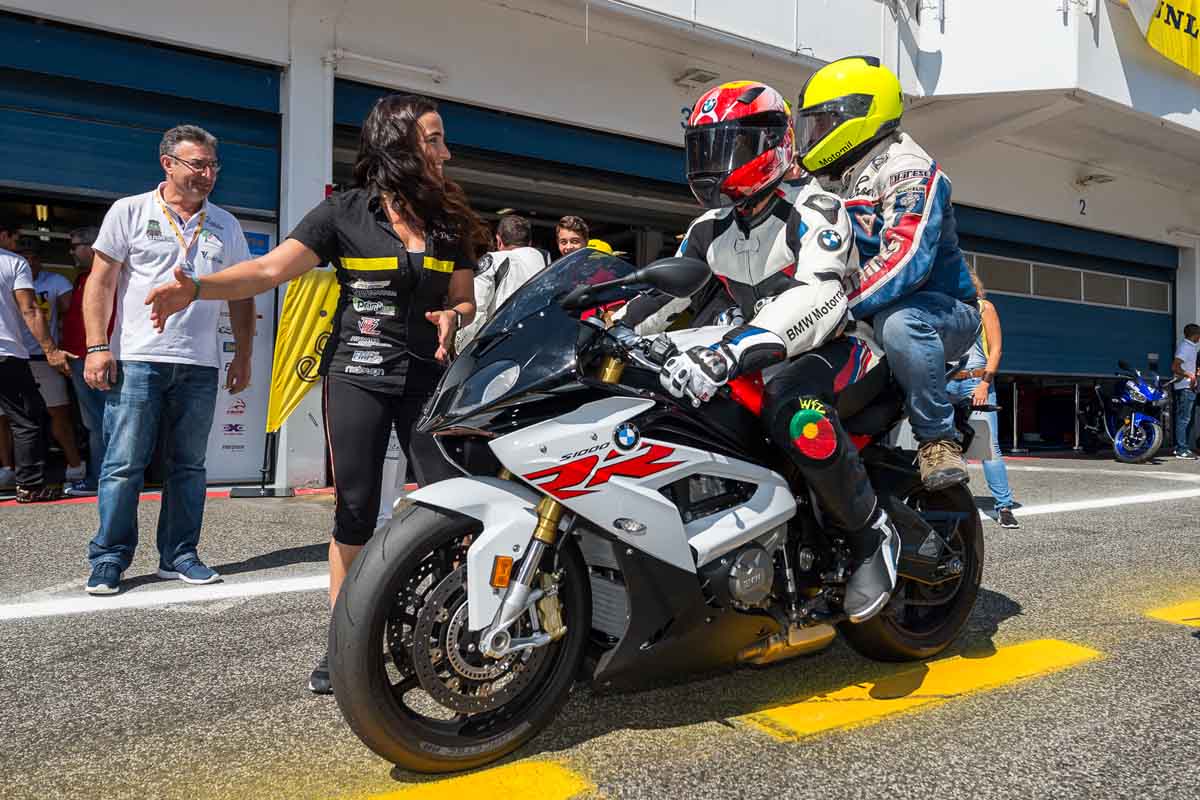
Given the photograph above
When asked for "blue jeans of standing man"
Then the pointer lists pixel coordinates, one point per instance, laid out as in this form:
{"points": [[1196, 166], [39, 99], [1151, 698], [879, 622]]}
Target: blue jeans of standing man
{"points": [[993, 469], [920, 333], [91, 409], [180, 398], [1185, 401]]}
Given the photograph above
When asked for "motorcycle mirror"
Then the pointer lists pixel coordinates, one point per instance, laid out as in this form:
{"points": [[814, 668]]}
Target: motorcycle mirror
{"points": [[677, 276]]}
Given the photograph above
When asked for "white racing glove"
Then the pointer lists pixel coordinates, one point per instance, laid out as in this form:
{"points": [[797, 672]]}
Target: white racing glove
{"points": [[697, 373]]}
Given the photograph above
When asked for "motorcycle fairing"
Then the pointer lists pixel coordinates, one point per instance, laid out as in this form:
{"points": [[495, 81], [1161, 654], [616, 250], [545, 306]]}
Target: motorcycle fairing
{"points": [[508, 512], [580, 461]]}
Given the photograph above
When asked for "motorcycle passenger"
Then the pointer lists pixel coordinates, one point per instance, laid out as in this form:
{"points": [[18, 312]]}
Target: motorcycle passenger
{"points": [[781, 252], [912, 284]]}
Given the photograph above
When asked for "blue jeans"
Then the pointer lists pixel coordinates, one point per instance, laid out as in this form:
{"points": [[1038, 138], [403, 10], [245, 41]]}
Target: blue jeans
{"points": [[1185, 401], [91, 409], [920, 333], [180, 398], [993, 469]]}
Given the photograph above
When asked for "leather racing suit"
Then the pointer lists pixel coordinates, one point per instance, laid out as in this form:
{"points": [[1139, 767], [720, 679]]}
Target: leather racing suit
{"points": [[783, 271]]}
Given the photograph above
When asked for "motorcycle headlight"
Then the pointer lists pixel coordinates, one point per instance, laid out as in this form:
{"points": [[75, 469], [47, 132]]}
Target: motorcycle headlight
{"points": [[1135, 392], [488, 384]]}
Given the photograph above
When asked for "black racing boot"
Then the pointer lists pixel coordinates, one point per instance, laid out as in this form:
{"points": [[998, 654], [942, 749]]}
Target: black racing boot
{"points": [[871, 584]]}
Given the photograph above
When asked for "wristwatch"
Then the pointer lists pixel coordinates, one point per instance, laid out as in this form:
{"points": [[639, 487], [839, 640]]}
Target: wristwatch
{"points": [[457, 319]]}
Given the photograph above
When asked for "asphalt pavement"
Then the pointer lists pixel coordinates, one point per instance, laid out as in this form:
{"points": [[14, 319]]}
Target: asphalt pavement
{"points": [[199, 692]]}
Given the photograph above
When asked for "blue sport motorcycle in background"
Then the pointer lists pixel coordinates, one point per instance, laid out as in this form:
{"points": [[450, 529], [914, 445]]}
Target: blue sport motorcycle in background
{"points": [[1128, 414]]}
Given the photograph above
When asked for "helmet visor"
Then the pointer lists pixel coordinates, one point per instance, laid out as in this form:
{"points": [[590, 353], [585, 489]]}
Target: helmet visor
{"points": [[721, 149], [815, 123]]}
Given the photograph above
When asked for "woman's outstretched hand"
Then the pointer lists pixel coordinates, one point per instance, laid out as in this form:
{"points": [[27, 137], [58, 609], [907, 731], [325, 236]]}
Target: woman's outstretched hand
{"points": [[170, 298]]}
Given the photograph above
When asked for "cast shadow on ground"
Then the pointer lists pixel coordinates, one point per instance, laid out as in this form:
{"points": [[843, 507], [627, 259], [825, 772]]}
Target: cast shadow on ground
{"points": [[308, 554], [719, 698]]}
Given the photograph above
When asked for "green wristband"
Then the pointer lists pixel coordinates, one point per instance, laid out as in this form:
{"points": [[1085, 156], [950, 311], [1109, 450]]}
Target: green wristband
{"points": [[196, 294]]}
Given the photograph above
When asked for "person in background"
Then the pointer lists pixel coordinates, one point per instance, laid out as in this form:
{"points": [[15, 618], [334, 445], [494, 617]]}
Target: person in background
{"points": [[912, 285], [502, 272], [74, 340], [161, 380], [8, 474], [1184, 368], [571, 234], [53, 293], [19, 397], [976, 382], [403, 243]]}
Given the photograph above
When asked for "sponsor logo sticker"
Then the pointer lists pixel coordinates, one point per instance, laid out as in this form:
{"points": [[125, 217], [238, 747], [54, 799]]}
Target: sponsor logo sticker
{"points": [[236, 407], [829, 239], [362, 306], [354, 369], [233, 429], [367, 357], [361, 284], [368, 326], [229, 347], [365, 341]]}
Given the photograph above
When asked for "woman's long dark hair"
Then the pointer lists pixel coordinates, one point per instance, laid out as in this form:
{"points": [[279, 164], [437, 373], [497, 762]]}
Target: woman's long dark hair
{"points": [[391, 159]]}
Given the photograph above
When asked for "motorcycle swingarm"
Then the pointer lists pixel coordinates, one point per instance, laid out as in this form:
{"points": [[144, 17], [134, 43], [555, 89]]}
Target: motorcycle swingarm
{"points": [[925, 552]]}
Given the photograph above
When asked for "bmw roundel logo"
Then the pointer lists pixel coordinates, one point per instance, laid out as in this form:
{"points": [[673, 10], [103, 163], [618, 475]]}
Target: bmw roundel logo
{"points": [[627, 436], [830, 239], [709, 105]]}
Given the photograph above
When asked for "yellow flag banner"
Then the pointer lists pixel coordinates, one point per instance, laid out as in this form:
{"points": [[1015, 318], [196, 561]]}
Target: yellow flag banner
{"points": [[304, 327], [1172, 27]]}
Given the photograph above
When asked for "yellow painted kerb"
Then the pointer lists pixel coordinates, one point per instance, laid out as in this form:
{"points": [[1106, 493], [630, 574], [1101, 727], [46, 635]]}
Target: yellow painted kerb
{"points": [[920, 685], [1182, 614], [536, 779]]}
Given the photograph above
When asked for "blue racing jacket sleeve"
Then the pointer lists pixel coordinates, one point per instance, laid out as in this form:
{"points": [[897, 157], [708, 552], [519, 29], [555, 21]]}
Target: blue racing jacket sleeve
{"points": [[898, 227]]}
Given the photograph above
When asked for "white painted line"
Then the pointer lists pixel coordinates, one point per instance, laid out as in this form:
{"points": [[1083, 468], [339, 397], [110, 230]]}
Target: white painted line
{"points": [[84, 604], [1186, 477], [1104, 502]]}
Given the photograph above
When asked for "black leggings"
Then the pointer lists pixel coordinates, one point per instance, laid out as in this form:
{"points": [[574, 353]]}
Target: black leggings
{"points": [[358, 424]]}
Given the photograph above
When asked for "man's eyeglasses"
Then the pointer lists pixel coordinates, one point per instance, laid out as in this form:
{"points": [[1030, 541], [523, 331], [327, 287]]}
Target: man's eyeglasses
{"points": [[198, 166]]}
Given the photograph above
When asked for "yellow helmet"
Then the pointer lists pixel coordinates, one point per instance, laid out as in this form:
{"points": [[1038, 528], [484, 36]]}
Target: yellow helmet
{"points": [[845, 105], [601, 245]]}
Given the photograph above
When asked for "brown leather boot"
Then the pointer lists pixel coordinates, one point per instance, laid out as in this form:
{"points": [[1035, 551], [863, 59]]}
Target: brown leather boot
{"points": [[942, 464]]}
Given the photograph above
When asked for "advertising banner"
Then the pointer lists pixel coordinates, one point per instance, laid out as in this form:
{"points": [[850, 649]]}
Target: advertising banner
{"points": [[1172, 27]]}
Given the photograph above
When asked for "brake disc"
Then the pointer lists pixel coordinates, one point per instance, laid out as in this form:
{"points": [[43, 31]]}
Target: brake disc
{"points": [[447, 660]]}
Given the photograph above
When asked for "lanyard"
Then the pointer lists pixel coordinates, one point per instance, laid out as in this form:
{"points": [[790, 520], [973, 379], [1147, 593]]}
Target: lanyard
{"points": [[187, 246]]}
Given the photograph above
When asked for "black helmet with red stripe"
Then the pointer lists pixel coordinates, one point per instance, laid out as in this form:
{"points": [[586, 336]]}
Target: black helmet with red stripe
{"points": [[739, 144]]}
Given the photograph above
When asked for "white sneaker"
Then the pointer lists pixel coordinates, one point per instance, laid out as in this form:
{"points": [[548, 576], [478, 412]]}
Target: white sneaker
{"points": [[8, 477], [75, 474]]}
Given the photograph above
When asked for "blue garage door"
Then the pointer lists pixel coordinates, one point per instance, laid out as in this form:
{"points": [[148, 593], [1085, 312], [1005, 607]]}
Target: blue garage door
{"points": [[82, 112], [1076, 301], [500, 132]]}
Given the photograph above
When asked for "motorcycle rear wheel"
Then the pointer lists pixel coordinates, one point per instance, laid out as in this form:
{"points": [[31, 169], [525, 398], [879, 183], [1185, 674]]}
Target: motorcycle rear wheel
{"points": [[403, 600], [921, 621]]}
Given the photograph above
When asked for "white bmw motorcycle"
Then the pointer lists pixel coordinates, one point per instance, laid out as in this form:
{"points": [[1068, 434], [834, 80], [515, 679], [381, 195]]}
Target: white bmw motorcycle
{"points": [[604, 531]]}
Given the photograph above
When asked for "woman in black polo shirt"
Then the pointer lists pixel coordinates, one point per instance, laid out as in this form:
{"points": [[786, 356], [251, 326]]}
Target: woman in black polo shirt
{"points": [[403, 244]]}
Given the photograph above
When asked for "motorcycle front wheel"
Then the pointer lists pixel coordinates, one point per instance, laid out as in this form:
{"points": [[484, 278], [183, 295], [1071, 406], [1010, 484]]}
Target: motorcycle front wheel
{"points": [[407, 672], [1138, 443]]}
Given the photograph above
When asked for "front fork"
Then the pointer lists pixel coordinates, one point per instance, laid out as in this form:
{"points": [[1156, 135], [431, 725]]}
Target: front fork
{"points": [[496, 641]]}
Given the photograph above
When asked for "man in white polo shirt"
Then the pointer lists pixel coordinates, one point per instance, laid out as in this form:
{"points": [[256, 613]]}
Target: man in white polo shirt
{"points": [[168, 379]]}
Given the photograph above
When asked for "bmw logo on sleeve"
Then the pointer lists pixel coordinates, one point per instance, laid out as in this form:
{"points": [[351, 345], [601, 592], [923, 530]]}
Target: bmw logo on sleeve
{"points": [[627, 436], [829, 239]]}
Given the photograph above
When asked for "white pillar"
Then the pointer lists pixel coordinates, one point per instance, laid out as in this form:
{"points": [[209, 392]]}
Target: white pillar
{"points": [[307, 103], [1187, 291]]}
